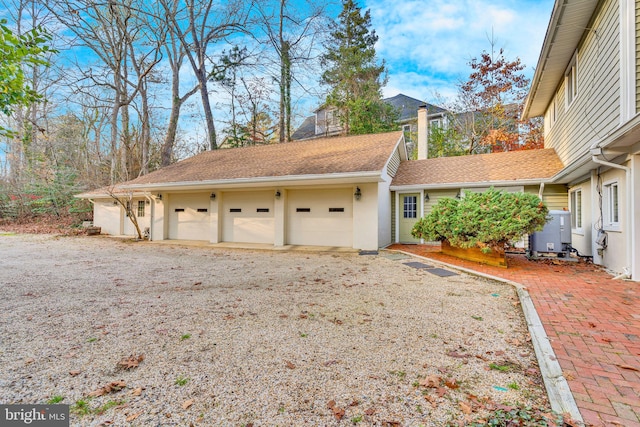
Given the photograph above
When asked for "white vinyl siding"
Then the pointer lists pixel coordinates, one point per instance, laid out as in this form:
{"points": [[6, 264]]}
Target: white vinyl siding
{"points": [[637, 56], [596, 108]]}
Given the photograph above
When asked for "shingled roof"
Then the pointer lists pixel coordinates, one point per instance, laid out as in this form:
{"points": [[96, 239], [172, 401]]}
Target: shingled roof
{"points": [[337, 155], [479, 168]]}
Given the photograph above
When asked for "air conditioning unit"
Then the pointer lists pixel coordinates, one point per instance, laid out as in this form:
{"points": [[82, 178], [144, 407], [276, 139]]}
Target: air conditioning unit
{"points": [[555, 237]]}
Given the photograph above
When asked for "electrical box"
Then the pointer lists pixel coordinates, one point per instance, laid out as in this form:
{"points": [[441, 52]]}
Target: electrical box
{"points": [[555, 237]]}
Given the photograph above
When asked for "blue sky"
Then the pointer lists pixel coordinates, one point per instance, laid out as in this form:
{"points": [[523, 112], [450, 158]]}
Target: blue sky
{"points": [[427, 45]]}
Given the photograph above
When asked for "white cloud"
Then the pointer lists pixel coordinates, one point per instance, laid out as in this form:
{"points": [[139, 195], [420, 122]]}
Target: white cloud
{"points": [[427, 46]]}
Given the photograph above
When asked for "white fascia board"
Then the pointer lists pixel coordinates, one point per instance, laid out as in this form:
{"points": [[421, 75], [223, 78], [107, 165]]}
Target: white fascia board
{"points": [[319, 179], [458, 185]]}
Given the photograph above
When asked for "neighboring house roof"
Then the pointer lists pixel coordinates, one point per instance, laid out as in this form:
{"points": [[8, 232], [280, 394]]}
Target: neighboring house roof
{"points": [[408, 107], [353, 155], [533, 165], [306, 130], [569, 20]]}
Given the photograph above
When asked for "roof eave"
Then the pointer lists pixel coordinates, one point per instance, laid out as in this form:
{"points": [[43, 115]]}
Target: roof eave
{"points": [[553, 55], [458, 185], [318, 179]]}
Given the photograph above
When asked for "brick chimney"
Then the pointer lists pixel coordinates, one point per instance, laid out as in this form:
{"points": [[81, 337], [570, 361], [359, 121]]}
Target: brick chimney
{"points": [[422, 132]]}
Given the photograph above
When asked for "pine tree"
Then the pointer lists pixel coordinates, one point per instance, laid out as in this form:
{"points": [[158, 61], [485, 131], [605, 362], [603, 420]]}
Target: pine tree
{"points": [[354, 75]]}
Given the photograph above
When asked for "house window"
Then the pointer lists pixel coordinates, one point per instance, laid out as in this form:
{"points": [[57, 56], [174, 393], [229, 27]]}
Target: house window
{"points": [[406, 129], [576, 209], [611, 205], [571, 81], [141, 208], [332, 118], [410, 207], [435, 123]]}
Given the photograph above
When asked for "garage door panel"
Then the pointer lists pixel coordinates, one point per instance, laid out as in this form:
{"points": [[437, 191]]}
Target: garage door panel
{"points": [[189, 217], [321, 217], [248, 217]]}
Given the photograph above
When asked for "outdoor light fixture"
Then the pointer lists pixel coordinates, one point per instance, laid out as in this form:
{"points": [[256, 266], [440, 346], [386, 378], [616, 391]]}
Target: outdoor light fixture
{"points": [[213, 196], [278, 194], [426, 197], [458, 196], [358, 193], [159, 196], [147, 202]]}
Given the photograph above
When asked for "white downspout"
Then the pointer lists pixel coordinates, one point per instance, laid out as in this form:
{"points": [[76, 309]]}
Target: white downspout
{"points": [[541, 191], [628, 202]]}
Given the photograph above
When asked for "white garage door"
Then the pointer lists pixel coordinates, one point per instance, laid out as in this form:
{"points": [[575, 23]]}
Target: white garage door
{"points": [[107, 216], [320, 217], [189, 217], [247, 217]]}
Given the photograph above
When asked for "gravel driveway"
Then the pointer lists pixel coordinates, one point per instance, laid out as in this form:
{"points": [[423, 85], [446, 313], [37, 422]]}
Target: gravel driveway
{"points": [[240, 337]]}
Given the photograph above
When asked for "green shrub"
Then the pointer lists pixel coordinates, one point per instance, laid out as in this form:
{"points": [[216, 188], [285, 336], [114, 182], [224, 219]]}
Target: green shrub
{"points": [[486, 220]]}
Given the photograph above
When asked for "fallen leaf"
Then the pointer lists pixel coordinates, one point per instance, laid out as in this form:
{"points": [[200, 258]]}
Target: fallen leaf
{"points": [[289, 364], [133, 416], [74, 373], [370, 411], [109, 388], [338, 412], [432, 381], [29, 361], [137, 391], [391, 424], [331, 404], [187, 404], [131, 361], [452, 384], [197, 283], [431, 400], [465, 408], [441, 391]]}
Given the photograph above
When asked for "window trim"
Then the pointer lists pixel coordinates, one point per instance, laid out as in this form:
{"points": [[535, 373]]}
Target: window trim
{"points": [[577, 212], [413, 204], [141, 208], [611, 206], [571, 81]]}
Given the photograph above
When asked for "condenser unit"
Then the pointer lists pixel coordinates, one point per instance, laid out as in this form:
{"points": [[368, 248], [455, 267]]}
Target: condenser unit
{"points": [[555, 237]]}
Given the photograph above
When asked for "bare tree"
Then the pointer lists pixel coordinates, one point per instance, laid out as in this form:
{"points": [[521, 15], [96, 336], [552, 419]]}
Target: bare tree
{"points": [[198, 25], [127, 56], [291, 29]]}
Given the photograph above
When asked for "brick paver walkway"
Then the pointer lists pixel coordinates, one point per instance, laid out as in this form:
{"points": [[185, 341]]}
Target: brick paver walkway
{"points": [[593, 323]]}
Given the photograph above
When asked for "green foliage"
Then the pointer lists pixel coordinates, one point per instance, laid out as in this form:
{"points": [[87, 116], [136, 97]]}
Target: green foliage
{"points": [[371, 117], [16, 52], [353, 74], [55, 399], [524, 416], [486, 220], [445, 141]]}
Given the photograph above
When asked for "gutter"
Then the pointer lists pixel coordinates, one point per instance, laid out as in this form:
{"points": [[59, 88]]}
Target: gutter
{"points": [[353, 177], [458, 185]]}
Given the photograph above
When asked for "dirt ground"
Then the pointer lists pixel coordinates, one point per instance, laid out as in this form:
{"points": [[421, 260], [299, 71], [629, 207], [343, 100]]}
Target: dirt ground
{"points": [[140, 333]]}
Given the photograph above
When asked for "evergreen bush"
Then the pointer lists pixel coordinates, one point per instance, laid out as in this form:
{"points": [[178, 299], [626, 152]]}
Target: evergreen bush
{"points": [[488, 220]]}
